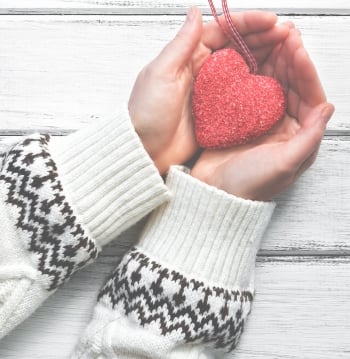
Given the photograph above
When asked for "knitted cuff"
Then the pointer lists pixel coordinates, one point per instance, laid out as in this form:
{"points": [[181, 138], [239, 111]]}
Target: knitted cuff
{"points": [[60, 201], [206, 233], [108, 176], [188, 282], [43, 243]]}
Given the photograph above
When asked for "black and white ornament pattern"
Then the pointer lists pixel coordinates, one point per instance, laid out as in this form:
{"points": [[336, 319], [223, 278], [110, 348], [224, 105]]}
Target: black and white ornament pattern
{"points": [[167, 302], [45, 222]]}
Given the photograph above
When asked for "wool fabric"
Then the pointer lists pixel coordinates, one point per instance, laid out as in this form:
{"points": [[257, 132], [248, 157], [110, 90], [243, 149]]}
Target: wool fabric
{"points": [[61, 200], [186, 288]]}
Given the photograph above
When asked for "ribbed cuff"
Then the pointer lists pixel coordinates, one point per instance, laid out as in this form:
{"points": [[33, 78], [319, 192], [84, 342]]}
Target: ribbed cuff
{"points": [[108, 176], [206, 232]]}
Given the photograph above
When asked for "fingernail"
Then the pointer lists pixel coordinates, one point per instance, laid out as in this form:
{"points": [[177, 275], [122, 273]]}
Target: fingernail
{"points": [[327, 112], [191, 14]]}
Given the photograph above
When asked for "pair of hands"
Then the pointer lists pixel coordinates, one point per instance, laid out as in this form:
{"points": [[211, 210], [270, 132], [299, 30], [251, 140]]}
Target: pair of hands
{"points": [[161, 111]]}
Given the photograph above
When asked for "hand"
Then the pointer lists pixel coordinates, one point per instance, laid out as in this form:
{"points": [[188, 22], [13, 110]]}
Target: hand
{"points": [[160, 103], [264, 168]]}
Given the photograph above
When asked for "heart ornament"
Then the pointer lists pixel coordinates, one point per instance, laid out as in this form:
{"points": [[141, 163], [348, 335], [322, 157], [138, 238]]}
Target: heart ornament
{"points": [[232, 106]]}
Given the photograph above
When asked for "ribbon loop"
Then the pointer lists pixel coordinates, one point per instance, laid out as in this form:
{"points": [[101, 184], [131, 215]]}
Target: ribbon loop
{"points": [[233, 34]]}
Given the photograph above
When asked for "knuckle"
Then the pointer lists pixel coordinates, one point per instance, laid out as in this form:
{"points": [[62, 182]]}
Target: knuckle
{"points": [[148, 71], [286, 169]]}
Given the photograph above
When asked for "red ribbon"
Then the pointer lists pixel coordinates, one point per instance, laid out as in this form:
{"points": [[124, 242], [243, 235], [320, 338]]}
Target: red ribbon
{"points": [[233, 34]]}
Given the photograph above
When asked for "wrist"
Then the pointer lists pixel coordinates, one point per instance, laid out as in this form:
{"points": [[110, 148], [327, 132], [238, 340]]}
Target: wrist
{"points": [[207, 175], [232, 184], [150, 140], [201, 227], [160, 161], [108, 176]]}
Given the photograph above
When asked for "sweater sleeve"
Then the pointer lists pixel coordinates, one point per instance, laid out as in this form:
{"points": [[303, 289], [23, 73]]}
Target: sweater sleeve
{"points": [[5, 147], [61, 200], [187, 288]]}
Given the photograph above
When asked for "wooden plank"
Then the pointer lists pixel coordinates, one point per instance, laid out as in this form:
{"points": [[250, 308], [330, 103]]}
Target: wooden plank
{"points": [[299, 312], [314, 215], [302, 310], [167, 7], [6, 141], [63, 72]]}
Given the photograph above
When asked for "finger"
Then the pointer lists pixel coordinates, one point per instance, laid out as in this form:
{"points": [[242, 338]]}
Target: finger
{"points": [[305, 90], [264, 42], [283, 65], [304, 79], [268, 38], [279, 62], [307, 140], [296, 72], [179, 51], [307, 164], [289, 23], [248, 22]]}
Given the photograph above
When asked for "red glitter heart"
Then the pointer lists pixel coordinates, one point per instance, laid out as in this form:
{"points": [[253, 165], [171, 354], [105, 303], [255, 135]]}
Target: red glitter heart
{"points": [[232, 106]]}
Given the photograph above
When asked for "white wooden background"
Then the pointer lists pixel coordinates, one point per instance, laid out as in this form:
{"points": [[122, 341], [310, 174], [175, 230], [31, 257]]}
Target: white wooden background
{"points": [[66, 63]]}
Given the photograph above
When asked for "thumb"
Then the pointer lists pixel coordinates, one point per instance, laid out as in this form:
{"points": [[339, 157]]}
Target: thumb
{"points": [[307, 140], [179, 51]]}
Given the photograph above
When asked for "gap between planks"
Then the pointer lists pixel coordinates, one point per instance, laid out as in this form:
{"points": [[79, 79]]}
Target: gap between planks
{"points": [[305, 254], [165, 11], [65, 132]]}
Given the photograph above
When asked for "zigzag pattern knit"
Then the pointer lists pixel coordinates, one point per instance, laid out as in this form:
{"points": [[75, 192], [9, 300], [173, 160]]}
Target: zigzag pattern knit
{"points": [[186, 289], [43, 218], [182, 309], [61, 200]]}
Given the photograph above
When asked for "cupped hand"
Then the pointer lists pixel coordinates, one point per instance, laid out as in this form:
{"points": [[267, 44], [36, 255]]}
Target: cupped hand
{"points": [[160, 103], [262, 169]]}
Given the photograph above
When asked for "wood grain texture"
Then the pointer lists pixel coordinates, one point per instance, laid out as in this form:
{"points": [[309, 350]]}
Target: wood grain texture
{"points": [[167, 7], [63, 72], [315, 213], [300, 312], [59, 73]]}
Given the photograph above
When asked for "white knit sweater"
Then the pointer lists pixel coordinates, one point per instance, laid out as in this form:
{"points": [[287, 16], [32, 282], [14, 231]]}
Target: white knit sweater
{"points": [[183, 291]]}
